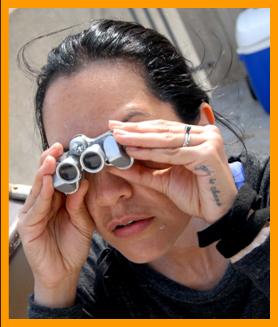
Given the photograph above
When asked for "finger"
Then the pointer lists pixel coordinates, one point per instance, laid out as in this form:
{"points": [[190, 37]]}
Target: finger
{"points": [[157, 126], [157, 140], [42, 205], [77, 209], [57, 201], [48, 168], [187, 156], [195, 158], [56, 150]]}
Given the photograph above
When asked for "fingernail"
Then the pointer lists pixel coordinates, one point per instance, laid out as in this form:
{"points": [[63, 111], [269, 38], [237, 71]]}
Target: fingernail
{"points": [[56, 145], [119, 131], [115, 122]]}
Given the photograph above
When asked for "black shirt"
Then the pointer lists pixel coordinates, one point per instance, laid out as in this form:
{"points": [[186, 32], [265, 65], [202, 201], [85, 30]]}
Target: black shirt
{"points": [[110, 286]]}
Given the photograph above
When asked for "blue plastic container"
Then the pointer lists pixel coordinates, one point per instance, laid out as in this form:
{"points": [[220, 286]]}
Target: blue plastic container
{"points": [[253, 34]]}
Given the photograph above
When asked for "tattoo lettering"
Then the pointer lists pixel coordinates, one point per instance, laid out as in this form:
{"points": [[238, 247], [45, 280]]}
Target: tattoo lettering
{"points": [[204, 169], [215, 192], [212, 181]]}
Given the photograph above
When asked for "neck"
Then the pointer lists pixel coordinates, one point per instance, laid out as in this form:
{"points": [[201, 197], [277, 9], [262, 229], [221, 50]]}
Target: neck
{"points": [[190, 265]]}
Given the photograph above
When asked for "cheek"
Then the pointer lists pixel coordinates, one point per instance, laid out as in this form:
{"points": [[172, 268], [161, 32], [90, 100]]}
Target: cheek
{"points": [[90, 199], [100, 214], [90, 196]]}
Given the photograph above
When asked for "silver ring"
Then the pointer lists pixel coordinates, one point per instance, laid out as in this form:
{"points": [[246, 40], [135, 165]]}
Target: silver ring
{"points": [[187, 136]]}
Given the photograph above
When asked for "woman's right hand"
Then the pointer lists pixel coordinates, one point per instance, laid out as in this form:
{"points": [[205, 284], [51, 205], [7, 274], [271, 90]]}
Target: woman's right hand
{"points": [[56, 232]]}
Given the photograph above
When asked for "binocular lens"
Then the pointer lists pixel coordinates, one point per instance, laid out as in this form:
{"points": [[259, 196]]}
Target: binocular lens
{"points": [[92, 161], [68, 172]]}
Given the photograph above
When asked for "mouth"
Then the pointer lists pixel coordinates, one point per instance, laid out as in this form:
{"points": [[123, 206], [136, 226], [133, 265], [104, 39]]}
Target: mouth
{"points": [[129, 226]]}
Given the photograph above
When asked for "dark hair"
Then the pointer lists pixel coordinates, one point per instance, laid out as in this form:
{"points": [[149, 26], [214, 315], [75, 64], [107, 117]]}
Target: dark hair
{"points": [[166, 72]]}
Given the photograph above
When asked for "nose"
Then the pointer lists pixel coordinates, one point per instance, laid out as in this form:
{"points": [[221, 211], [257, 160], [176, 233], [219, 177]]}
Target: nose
{"points": [[108, 189]]}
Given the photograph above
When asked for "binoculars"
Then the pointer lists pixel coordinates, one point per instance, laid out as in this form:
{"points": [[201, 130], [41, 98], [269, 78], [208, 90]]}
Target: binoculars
{"points": [[90, 155]]}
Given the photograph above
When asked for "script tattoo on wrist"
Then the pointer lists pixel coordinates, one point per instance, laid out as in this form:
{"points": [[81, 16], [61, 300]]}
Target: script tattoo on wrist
{"points": [[212, 181], [204, 169], [215, 192]]}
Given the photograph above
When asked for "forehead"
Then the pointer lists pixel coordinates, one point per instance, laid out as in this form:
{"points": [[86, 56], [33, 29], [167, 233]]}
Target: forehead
{"points": [[84, 101]]}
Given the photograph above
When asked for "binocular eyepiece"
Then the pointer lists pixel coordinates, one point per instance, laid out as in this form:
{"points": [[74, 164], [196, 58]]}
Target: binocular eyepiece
{"points": [[91, 155]]}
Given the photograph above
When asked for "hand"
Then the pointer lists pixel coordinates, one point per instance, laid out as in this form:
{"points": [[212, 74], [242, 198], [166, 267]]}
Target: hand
{"points": [[197, 177], [55, 230]]}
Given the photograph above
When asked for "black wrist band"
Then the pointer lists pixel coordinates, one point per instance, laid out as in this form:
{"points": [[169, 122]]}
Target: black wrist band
{"points": [[234, 242], [237, 228], [233, 219]]}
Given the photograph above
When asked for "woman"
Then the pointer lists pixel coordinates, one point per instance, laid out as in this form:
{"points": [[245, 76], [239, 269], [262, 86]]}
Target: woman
{"points": [[177, 235]]}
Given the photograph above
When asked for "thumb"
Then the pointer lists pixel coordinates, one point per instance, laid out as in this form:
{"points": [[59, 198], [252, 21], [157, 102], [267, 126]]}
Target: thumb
{"points": [[145, 176], [77, 208]]}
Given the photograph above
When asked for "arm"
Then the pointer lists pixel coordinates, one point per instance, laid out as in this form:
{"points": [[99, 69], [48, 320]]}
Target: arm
{"points": [[253, 260], [85, 302], [244, 231], [56, 235], [37, 311], [199, 172]]}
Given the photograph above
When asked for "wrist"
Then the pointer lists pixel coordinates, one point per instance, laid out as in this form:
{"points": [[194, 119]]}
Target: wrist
{"points": [[61, 295], [239, 227]]}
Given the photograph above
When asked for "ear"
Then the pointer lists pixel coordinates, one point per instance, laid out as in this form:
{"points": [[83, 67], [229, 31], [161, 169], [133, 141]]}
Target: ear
{"points": [[206, 114]]}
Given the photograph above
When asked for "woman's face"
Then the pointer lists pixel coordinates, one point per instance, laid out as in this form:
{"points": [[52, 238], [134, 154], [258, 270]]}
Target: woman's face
{"points": [[82, 104]]}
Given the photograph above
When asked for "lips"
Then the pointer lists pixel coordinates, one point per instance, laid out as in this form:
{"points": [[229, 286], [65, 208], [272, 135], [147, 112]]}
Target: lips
{"points": [[128, 225]]}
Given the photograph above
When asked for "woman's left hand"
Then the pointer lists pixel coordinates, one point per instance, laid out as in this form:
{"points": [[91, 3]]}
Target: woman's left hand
{"points": [[196, 177]]}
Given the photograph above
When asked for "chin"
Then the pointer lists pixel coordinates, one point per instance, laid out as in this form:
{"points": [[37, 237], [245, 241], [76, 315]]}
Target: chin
{"points": [[143, 255]]}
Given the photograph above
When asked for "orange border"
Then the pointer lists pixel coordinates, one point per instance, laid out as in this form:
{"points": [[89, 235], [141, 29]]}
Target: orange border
{"points": [[5, 5]]}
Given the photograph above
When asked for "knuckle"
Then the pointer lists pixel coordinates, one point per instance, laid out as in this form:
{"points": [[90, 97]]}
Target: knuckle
{"points": [[214, 136], [219, 142], [171, 155], [44, 153], [216, 139], [210, 151], [137, 126], [37, 182], [43, 197], [42, 204], [147, 154], [25, 208], [72, 207], [164, 129], [212, 129], [20, 225], [39, 174], [169, 137], [40, 211], [162, 122], [41, 160], [43, 156]]}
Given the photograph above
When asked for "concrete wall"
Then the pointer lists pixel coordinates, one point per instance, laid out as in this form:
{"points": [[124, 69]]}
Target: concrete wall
{"points": [[212, 32]]}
